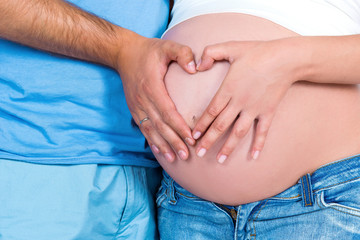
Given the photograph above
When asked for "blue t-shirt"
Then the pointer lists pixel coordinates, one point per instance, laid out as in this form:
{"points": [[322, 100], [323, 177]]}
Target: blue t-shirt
{"points": [[57, 110]]}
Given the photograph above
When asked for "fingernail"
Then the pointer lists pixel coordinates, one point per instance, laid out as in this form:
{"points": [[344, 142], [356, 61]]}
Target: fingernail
{"points": [[256, 154], [201, 152], [155, 149], [169, 157], [182, 154], [196, 135], [190, 141], [222, 158], [191, 66]]}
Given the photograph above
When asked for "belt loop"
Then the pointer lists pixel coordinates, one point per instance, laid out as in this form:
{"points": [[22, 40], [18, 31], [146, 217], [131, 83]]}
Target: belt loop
{"points": [[306, 191], [171, 192]]}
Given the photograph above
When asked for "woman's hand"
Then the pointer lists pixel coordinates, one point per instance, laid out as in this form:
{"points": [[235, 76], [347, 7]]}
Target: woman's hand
{"points": [[142, 65], [260, 74]]}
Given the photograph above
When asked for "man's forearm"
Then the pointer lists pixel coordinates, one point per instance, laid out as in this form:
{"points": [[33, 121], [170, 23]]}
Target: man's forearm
{"points": [[59, 27]]}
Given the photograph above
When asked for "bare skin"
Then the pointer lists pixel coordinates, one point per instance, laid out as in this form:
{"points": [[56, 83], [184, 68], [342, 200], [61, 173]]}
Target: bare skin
{"points": [[313, 124]]}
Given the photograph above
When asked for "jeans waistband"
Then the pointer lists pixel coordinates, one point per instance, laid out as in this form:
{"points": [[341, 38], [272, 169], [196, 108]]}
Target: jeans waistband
{"points": [[335, 173], [328, 175]]}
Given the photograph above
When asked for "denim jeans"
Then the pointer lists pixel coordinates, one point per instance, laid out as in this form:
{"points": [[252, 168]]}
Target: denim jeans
{"points": [[322, 205]]}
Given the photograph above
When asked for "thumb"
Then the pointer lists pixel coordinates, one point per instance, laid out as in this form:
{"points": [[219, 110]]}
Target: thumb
{"points": [[211, 54]]}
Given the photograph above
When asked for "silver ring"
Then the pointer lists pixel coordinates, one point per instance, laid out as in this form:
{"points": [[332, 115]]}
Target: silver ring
{"points": [[143, 120]]}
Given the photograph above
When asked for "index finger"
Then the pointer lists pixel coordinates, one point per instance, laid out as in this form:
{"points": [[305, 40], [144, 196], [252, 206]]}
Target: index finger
{"points": [[183, 55], [171, 116], [216, 106]]}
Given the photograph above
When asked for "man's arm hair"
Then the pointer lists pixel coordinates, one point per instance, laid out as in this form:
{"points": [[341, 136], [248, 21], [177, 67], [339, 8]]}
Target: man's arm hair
{"points": [[60, 27]]}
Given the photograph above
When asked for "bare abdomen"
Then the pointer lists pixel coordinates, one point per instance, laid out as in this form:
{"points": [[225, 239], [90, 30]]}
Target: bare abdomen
{"points": [[314, 124]]}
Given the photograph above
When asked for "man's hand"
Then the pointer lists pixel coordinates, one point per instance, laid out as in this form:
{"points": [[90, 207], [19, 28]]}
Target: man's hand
{"points": [[259, 76], [60, 27], [142, 65]]}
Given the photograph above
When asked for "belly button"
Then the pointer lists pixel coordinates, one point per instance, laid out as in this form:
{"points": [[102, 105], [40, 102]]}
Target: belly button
{"points": [[193, 119]]}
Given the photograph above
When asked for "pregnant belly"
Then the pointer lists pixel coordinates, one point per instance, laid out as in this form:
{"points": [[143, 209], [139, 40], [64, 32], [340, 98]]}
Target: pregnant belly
{"points": [[314, 124]]}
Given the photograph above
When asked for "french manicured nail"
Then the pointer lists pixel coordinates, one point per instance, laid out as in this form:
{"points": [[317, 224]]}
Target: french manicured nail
{"points": [[182, 154], [191, 66], [169, 157], [196, 135], [201, 152], [222, 158], [190, 141], [256, 154], [155, 148]]}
